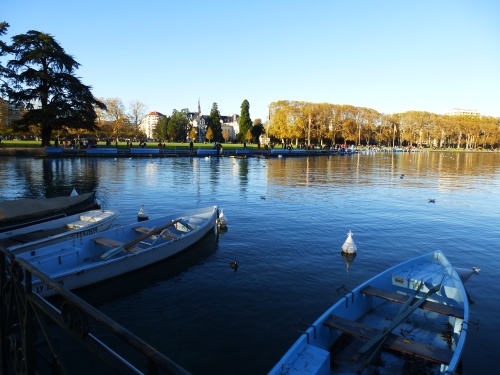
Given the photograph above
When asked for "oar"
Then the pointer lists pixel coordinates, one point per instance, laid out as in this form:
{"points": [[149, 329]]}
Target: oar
{"points": [[374, 348], [128, 245], [395, 322]]}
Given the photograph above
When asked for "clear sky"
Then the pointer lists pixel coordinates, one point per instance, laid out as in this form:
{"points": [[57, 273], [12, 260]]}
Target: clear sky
{"points": [[392, 56]]}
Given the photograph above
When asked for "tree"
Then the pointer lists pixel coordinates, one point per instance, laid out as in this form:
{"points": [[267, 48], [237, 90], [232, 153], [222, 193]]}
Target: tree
{"points": [[137, 113], [350, 130], [193, 133], [209, 135], [215, 123], [4, 111], [177, 125], [248, 137], [245, 123], [44, 83], [4, 49], [115, 113], [225, 134], [161, 130], [257, 130], [280, 119]]}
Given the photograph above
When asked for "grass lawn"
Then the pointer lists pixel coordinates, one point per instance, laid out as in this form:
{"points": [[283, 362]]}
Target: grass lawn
{"points": [[123, 145], [24, 144]]}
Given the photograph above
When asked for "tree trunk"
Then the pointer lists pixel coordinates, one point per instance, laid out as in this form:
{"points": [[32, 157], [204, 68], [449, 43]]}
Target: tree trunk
{"points": [[46, 134], [459, 139]]}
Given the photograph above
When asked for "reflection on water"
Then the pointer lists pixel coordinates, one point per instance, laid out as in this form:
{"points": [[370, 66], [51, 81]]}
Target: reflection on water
{"points": [[48, 177], [288, 220], [348, 259], [441, 170]]}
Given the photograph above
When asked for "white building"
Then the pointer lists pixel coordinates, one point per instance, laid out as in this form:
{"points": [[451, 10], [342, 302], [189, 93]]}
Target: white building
{"points": [[231, 124], [463, 112], [198, 122], [148, 124], [228, 123]]}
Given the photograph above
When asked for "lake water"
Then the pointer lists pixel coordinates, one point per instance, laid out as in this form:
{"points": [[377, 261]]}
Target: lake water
{"points": [[288, 218]]}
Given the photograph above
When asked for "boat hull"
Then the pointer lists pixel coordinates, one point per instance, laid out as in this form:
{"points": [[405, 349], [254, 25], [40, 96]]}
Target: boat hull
{"points": [[81, 262], [337, 342], [25, 212], [51, 232]]}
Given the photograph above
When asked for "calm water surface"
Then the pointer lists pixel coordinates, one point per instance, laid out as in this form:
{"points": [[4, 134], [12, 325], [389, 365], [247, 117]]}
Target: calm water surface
{"points": [[288, 220]]}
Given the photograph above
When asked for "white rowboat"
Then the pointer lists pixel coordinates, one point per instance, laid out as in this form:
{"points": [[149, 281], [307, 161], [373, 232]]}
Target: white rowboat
{"points": [[95, 258], [50, 232], [414, 314]]}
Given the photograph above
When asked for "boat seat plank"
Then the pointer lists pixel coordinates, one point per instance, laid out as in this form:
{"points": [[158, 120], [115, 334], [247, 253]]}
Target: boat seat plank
{"points": [[171, 236], [142, 229], [108, 242], [112, 243], [440, 308], [393, 342]]}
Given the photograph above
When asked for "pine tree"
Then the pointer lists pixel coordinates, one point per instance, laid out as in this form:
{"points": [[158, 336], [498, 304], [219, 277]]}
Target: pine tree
{"points": [[245, 121], [43, 81], [215, 123]]}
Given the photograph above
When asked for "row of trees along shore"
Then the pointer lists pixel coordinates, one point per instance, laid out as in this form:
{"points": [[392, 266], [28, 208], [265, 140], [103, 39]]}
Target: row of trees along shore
{"points": [[39, 80], [325, 123]]}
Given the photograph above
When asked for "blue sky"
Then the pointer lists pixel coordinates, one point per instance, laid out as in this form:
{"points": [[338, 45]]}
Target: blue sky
{"points": [[392, 56]]}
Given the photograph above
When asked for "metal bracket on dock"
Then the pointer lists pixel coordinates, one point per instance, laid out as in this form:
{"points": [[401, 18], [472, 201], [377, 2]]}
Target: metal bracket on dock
{"points": [[301, 322]]}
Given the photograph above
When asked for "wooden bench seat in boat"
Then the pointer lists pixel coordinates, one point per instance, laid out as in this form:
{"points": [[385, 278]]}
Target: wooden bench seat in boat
{"points": [[393, 342], [113, 243], [142, 229], [440, 308], [108, 242], [164, 235]]}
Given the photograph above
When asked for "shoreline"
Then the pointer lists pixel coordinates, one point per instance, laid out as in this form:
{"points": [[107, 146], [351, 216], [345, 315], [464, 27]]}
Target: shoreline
{"points": [[22, 151], [41, 152]]}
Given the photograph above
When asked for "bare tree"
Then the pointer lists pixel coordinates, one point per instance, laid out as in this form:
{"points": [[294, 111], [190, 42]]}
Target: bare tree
{"points": [[116, 116], [137, 113]]}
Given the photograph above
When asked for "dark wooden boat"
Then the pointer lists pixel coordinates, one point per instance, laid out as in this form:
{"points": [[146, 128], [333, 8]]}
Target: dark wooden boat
{"points": [[24, 212]]}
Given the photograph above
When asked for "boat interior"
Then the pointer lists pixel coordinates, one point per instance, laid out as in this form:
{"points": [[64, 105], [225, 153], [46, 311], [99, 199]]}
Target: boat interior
{"points": [[395, 324], [425, 339]]}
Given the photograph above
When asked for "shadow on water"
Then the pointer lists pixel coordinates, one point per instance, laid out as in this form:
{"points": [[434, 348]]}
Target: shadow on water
{"points": [[135, 281]]}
